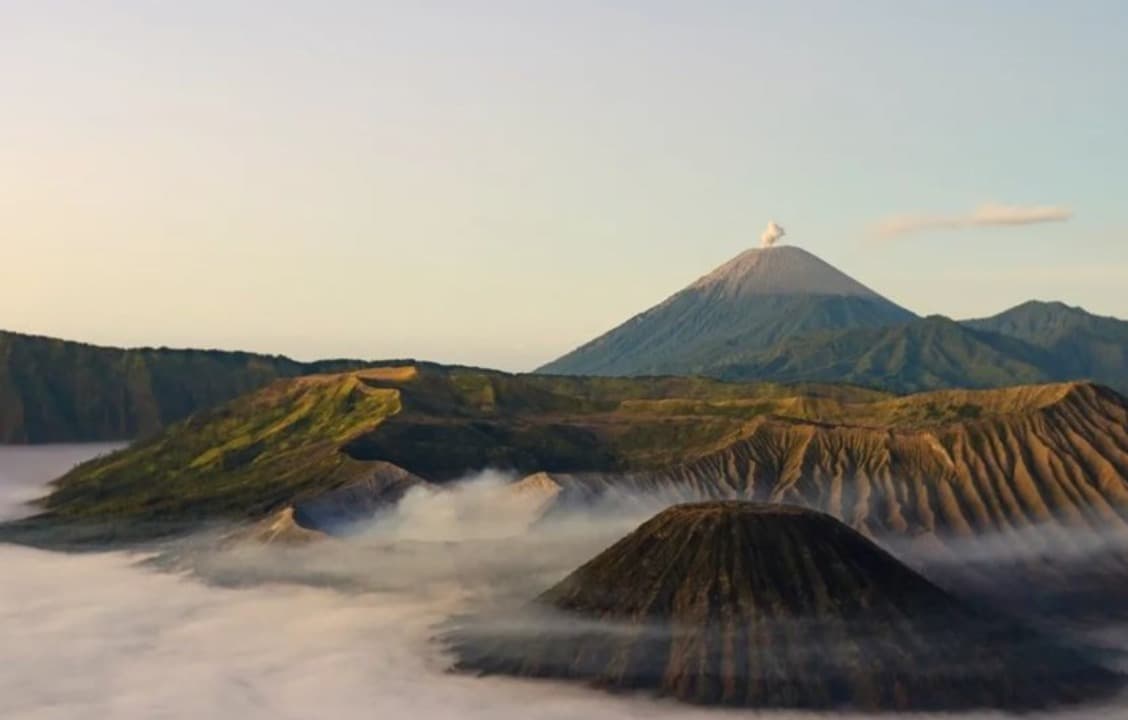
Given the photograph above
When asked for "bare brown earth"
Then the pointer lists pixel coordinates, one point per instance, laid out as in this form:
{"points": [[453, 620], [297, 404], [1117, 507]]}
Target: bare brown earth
{"points": [[1031, 455], [1023, 506], [745, 604]]}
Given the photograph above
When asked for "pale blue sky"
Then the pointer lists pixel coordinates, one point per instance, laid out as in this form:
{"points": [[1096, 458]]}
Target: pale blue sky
{"points": [[494, 182]]}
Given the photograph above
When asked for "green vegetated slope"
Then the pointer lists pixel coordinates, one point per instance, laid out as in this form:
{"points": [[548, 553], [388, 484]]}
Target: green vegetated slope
{"points": [[239, 460], [927, 354], [1075, 343], [948, 460], [311, 434], [59, 391], [937, 352]]}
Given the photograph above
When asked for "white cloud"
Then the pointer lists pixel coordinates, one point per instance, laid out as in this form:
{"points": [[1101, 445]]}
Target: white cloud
{"points": [[987, 215]]}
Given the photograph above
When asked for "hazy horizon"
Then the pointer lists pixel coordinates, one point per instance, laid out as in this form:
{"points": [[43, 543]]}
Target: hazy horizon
{"points": [[495, 185]]}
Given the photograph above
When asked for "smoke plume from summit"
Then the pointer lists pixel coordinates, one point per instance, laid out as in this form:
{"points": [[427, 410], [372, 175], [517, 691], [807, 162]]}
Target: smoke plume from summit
{"points": [[771, 234]]}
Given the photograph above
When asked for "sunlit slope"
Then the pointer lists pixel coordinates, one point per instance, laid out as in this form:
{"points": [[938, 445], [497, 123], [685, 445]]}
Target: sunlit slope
{"points": [[242, 459], [953, 461]]}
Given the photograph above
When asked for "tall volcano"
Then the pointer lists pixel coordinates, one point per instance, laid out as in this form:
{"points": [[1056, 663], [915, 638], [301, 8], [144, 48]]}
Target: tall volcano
{"points": [[745, 604], [744, 306]]}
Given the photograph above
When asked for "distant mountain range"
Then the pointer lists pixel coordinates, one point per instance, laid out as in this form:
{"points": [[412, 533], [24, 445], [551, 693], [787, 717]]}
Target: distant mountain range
{"points": [[777, 314], [784, 315], [58, 391]]}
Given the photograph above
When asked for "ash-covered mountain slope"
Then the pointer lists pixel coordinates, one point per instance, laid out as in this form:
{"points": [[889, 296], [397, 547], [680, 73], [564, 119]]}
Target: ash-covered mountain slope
{"points": [[746, 305], [744, 604], [780, 314], [952, 463]]}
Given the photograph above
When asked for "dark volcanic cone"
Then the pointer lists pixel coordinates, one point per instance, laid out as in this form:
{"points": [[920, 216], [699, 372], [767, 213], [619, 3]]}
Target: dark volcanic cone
{"points": [[747, 604]]}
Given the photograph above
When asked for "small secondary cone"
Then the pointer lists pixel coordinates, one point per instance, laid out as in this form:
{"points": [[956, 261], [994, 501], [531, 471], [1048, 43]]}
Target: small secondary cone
{"points": [[746, 604]]}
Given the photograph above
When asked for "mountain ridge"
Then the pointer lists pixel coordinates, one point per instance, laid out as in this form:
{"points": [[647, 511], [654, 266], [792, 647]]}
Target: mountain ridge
{"points": [[926, 354], [942, 463], [54, 390], [1076, 342], [938, 352]]}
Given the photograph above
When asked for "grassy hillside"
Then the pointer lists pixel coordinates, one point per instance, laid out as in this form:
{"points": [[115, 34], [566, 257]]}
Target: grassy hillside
{"points": [[315, 433], [856, 453], [58, 391], [240, 459]]}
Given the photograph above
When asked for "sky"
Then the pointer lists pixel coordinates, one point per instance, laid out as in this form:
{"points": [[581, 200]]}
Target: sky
{"points": [[496, 182]]}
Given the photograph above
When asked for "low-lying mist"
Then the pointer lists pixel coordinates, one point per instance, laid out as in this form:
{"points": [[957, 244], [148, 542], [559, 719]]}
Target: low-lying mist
{"points": [[26, 469], [341, 628], [475, 540]]}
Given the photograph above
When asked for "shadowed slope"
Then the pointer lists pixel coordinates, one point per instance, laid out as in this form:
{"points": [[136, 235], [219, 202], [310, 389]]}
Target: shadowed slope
{"points": [[1076, 344], [1036, 342], [926, 354], [768, 606], [59, 391]]}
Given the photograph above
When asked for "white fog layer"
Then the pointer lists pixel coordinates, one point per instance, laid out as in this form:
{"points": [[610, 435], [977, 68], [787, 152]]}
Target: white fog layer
{"points": [[338, 629], [25, 471]]}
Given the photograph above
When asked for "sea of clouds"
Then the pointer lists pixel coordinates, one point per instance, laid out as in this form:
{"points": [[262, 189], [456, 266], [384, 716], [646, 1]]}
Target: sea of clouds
{"points": [[340, 629]]}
